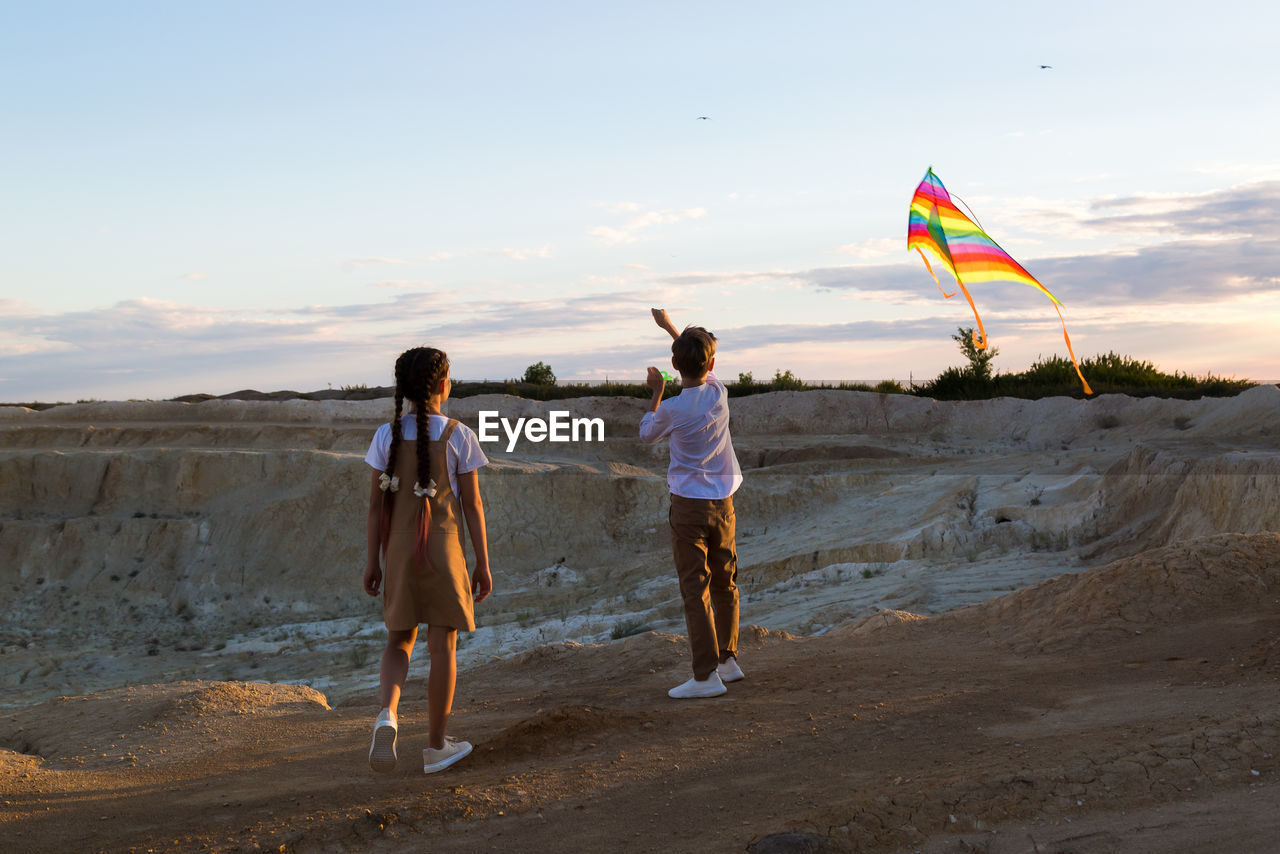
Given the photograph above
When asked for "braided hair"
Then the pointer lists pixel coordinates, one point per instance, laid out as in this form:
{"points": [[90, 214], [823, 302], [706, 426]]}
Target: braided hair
{"points": [[418, 373]]}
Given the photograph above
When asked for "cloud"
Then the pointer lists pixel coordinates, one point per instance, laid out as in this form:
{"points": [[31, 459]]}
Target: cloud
{"points": [[511, 319], [695, 278], [144, 336], [361, 263], [160, 348], [514, 253], [1219, 259], [896, 283], [148, 347], [1187, 271], [400, 284], [630, 231], [148, 324], [1190, 271], [611, 236], [1057, 219], [1251, 210], [526, 254], [1183, 272], [411, 308], [1219, 246], [1253, 169], [1248, 210], [873, 248], [11, 307]]}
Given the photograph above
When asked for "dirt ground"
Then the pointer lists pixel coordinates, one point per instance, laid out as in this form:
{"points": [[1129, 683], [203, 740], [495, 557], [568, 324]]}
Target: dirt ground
{"points": [[1133, 707]]}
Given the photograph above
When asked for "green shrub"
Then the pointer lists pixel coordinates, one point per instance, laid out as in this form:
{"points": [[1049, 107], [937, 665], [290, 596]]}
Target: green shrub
{"points": [[1116, 370], [627, 628], [1111, 373], [979, 360], [539, 373], [786, 381], [957, 384], [1053, 371]]}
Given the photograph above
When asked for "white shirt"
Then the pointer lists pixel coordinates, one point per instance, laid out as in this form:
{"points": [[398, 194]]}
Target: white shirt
{"points": [[463, 453], [703, 464]]}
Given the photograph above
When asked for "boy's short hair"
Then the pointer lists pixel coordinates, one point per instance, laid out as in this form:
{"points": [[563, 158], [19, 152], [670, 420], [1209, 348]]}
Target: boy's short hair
{"points": [[693, 351]]}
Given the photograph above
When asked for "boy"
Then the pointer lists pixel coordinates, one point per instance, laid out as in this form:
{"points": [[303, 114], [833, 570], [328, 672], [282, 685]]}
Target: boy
{"points": [[702, 478]]}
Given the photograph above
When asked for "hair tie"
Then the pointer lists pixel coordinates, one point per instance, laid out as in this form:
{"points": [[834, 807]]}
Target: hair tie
{"points": [[387, 482], [429, 492]]}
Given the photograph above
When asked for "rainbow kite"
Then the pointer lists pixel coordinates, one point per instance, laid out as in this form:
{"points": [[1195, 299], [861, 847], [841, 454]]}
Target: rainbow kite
{"points": [[936, 224]]}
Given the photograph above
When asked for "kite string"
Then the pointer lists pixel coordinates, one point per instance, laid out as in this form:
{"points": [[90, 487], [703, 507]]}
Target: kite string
{"points": [[972, 215]]}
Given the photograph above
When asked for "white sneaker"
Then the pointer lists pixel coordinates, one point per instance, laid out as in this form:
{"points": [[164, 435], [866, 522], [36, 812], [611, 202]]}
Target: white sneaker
{"points": [[382, 753], [693, 689], [730, 671], [437, 760]]}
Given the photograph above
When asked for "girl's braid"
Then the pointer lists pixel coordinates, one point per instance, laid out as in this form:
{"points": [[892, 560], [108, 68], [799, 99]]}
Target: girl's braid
{"points": [[432, 373], [397, 432]]}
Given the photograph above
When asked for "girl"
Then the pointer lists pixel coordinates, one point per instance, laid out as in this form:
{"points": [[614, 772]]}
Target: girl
{"points": [[416, 531]]}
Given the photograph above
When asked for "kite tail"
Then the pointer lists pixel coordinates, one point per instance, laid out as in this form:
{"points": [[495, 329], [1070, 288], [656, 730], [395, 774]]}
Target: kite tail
{"points": [[979, 337], [929, 267], [1067, 338]]}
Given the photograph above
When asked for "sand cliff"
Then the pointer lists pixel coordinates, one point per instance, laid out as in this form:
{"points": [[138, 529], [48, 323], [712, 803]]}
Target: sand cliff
{"points": [[223, 541]]}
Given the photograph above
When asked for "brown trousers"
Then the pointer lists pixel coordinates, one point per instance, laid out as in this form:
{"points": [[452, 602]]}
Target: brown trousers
{"points": [[702, 540]]}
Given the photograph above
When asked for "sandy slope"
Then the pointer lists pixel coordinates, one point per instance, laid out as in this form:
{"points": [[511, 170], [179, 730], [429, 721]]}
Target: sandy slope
{"points": [[1133, 707], [198, 555]]}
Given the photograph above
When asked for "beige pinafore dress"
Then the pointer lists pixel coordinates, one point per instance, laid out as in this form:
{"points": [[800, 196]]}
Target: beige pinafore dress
{"points": [[436, 591]]}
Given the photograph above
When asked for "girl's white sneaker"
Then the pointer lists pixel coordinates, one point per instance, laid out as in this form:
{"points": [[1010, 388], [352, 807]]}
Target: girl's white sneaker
{"points": [[382, 753], [437, 760]]}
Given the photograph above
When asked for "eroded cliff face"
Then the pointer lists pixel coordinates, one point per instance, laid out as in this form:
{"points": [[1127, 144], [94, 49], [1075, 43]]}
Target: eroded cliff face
{"points": [[154, 526]]}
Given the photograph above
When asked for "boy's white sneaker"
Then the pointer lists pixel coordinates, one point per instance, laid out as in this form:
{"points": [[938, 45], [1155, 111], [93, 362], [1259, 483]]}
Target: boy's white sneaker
{"points": [[730, 671], [382, 753], [437, 760], [712, 686]]}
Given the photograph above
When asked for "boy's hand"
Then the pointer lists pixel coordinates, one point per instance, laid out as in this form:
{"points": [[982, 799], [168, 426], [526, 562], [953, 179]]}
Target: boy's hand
{"points": [[655, 380], [660, 317]]}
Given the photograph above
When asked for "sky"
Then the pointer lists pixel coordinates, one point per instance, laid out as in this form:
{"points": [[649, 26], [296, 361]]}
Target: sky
{"points": [[285, 195]]}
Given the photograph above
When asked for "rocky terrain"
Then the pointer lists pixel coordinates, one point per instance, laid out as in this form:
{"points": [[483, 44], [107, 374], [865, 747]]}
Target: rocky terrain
{"points": [[978, 624]]}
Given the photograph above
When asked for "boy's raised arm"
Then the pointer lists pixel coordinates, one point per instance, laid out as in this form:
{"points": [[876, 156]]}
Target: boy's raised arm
{"points": [[656, 382], [660, 317]]}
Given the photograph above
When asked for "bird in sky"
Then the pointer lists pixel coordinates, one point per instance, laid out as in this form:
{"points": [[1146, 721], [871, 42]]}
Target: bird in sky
{"points": [[1046, 66], [704, 118]]}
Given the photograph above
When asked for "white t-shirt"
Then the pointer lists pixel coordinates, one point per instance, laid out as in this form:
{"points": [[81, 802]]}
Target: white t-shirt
{"points": [[463, 454], [703, 464]]}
